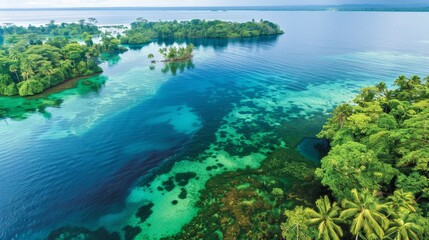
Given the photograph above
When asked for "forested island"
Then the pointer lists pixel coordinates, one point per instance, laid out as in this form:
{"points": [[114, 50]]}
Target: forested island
{"points": [[174, 54], [143, 31], [377, 170], [35, 58]]}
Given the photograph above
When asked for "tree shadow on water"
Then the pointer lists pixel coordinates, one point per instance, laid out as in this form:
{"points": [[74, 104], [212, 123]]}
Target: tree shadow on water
{"points": [[20, 108], [176, 67], [220, 43]]}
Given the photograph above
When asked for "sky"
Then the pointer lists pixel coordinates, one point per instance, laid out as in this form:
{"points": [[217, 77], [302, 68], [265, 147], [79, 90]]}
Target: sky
{"points": [[183, 3]]}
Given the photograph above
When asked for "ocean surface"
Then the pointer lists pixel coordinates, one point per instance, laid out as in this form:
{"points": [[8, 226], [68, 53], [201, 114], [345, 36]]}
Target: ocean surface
{"points": [[103, 152]]}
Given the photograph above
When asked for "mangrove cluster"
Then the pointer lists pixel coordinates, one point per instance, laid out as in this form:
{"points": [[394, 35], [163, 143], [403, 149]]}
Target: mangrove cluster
{"points": [[143, 31], [377, 170]]}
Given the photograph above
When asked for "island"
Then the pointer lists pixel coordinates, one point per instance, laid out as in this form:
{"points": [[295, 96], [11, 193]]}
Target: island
{"points": [[142, 31], [174, 54]]}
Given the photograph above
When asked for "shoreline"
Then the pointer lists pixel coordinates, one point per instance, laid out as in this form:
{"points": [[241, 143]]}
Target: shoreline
{"points": [[176, 59], [67, 84]]}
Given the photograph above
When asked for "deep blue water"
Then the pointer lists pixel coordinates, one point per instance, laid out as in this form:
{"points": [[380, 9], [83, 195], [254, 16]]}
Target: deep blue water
{"points": [[81, 164]]}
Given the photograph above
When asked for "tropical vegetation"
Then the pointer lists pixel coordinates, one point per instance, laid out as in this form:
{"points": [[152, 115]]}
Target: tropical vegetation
{"points": [[29, 69], [31, 63], [14, 34], [176, 53], [142, 31], [377, 168]]}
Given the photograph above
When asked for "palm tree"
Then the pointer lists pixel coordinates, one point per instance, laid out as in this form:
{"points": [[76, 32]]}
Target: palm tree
{"points": [[327, 218], [189, 49], [163, 52], [150, 56], [367, 214], [382, 88], [341, 113], [296, 225], [26, 71], [46, 69], [402, 201], [13, 68], [88, 56], [414, 82], [65, 66], [401, 82], [14, 55], [182, 52], [427, 81], [405, 228], [367, 94], [384, 94]]}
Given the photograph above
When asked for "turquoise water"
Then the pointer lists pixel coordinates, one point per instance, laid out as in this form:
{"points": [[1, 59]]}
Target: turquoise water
{"points": [[102, 153]]}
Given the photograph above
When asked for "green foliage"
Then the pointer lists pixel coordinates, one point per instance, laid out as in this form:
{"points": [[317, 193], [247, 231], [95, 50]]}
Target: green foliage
{"points": [[394, 126], [30, 69], [135, 38], [402, 201], [1, 35], [415, 183], [177, 53], [27, 58], [7, 86], [297, 225], [406, 226], [326, 218], [367, 214], [380, 145], [53, 29], [143, 31], [406, 222], [278, 192], [30, 87], [352, 165], [110, 44]]}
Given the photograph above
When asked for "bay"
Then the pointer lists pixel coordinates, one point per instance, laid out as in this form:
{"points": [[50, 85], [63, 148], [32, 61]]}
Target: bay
{"points": [[100, 155]]}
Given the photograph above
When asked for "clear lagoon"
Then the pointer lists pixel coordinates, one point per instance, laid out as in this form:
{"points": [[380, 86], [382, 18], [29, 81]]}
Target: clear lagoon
{"points": [[115, 139]]}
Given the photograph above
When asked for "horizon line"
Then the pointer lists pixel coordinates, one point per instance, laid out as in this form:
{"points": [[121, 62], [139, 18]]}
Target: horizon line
{"points": [[222, 7]]}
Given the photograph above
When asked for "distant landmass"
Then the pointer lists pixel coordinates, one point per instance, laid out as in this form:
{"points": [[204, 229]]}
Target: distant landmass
{"points": [[347, 7]]}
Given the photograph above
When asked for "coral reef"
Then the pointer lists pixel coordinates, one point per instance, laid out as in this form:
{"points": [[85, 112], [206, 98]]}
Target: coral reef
{"points": [[144, 212], [131, 232], [182, 179], [247, 204], [80, 233]]}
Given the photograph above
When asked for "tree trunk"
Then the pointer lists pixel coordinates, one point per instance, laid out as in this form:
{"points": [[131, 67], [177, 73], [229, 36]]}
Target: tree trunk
{"points": [[16, 74], [297, 232]]}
